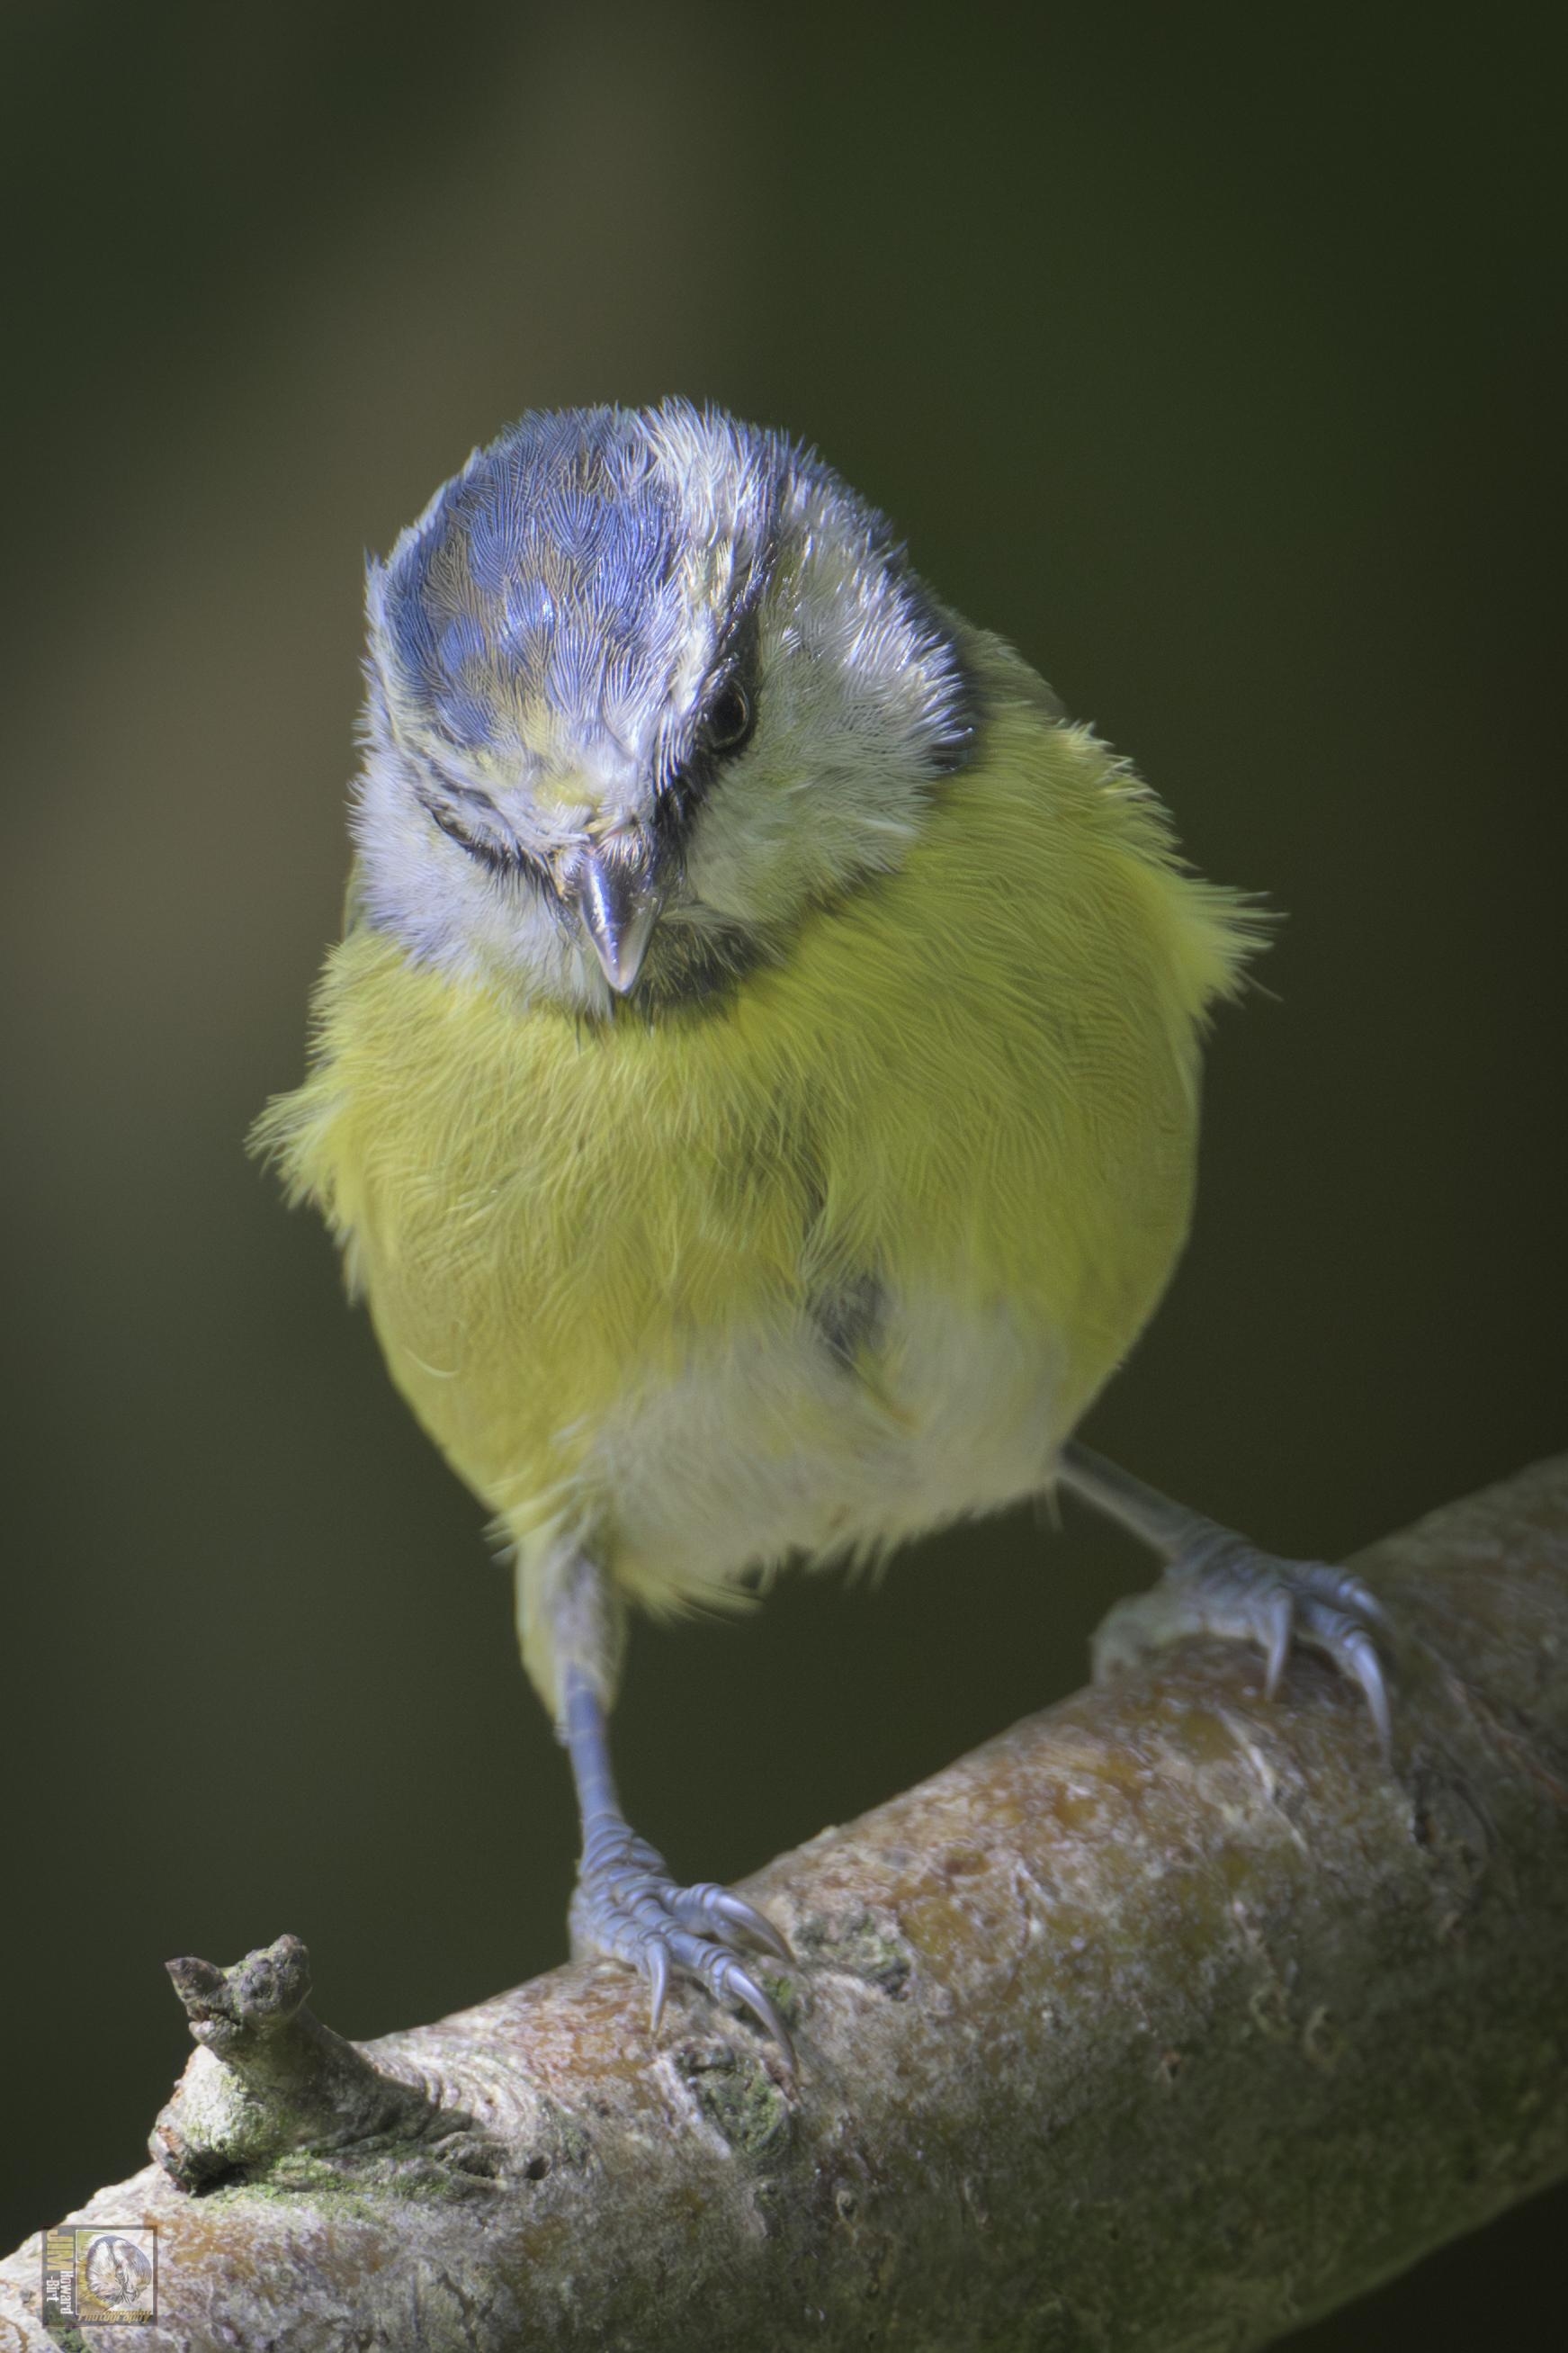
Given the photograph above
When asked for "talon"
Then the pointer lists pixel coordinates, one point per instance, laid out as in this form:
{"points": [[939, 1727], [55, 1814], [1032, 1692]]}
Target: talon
{"points": [[1363, 1602], [757, 1926], [1360, 1656], [655, 1962], [629, 1908], [744, 1987], [1342, 1591], [1281, 1624], [1218, 1585]]}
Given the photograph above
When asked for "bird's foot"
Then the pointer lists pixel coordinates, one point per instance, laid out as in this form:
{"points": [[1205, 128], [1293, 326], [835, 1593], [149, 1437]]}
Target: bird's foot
{"points": [[627, 1906], [1223, 1585]]}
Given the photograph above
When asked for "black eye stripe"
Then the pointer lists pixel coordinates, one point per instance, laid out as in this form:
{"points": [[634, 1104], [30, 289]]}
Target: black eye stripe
{"points": [[725, 721], [455, 791]]}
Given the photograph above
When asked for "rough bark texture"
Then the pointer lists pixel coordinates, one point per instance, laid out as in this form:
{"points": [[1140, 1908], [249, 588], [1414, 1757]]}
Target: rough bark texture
{"points": [[1166, 2020]]}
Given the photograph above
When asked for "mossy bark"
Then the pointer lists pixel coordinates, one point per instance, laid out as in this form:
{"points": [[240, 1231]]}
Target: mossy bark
{"points": [[1162, 2022]]}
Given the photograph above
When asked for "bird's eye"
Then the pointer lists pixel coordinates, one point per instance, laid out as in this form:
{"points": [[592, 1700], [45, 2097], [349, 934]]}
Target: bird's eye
{"points": [[452, 825], [496, 854], [730, 722]]}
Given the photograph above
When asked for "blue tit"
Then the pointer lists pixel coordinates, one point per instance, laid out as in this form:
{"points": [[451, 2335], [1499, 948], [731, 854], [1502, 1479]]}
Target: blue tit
{"points": [[757, 1092]]}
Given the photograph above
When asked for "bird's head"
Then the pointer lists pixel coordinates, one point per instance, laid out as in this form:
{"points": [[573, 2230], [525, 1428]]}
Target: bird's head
{"points": [[644, 688]]}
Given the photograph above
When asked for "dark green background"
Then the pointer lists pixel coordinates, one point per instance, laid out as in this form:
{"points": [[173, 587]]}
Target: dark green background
{"points": [[1212, 357]]}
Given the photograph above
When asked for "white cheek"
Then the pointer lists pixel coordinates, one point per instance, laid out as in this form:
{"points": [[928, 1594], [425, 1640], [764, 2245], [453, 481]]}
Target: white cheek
{"points": [[823, 798], [740, 857], [426, 893]]}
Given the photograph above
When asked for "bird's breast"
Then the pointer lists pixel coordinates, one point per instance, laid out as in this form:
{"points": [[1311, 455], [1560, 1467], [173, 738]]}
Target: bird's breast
{"points": [[832, 1258]]}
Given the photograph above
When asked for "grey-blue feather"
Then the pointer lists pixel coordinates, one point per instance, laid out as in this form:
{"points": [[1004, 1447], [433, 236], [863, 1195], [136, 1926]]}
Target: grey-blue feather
{"points": [[555, 569]]}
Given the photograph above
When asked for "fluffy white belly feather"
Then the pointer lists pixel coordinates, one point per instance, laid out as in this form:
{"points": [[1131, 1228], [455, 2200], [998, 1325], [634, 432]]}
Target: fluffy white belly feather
{"points": [[769, 1445]]}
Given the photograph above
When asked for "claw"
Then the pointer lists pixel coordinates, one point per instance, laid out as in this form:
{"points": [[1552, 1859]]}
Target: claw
{"points": [[1359, 1654], [655, 1963], [756, 1925], [1342, 1591], [628, 1907], [1362, 1601], [1219, 1584], [1280, 1623], [740, 1982]]}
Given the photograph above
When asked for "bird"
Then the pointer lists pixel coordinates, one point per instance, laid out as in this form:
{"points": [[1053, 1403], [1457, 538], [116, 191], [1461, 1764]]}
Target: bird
{"points": [[756, 1090]]}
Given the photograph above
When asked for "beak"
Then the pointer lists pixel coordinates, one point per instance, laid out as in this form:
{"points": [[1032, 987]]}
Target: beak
{"points": [[618, 900]]}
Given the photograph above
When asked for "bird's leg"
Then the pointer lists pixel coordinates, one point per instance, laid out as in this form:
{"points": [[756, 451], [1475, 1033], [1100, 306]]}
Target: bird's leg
{"points": [[626, 1904], [1215, 1582]]}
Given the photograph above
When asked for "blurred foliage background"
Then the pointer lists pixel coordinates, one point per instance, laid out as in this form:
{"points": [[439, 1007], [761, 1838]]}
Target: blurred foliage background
{"points": [[1213, 357]]}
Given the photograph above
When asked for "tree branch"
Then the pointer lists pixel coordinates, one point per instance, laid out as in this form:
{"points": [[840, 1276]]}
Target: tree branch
{"points": [[1166, 2020]]}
